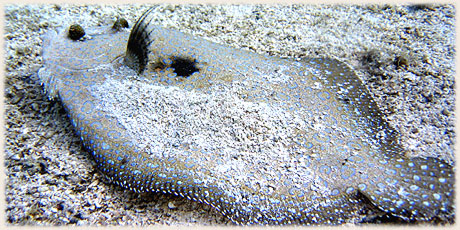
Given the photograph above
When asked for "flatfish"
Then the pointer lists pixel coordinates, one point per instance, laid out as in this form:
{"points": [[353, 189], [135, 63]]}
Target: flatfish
{"points": [[263, 140]]}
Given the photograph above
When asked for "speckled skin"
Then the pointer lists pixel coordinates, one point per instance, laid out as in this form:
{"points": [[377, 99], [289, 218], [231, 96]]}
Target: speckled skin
{"points": [[348, 148]]}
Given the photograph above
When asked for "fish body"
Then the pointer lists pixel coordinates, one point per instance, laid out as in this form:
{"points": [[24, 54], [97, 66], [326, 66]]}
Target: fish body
{"points": [[263, 140]]}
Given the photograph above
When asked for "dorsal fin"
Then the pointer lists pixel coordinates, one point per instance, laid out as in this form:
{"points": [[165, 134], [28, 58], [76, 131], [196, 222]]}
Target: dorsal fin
{"points": [[138, 43]]}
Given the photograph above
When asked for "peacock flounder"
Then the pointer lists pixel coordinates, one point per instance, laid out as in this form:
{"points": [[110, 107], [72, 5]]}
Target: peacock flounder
{"points": [[263, 140]]}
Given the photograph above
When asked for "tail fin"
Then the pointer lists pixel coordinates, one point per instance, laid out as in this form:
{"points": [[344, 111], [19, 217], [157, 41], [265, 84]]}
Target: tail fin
{"points": [[417, 189]]}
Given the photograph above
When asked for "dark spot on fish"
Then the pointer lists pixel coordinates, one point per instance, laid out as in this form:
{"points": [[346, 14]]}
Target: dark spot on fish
{"points": [[184, 67]]}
